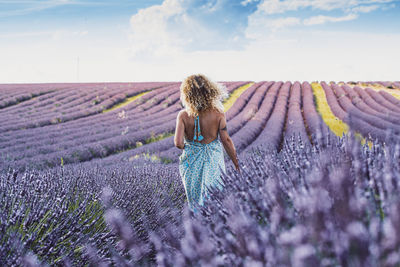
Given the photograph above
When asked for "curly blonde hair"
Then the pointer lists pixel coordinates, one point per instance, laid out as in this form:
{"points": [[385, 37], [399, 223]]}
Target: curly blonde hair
{"points": [[198, 93]]}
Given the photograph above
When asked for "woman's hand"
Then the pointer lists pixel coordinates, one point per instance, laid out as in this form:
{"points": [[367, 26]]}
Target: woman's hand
{"points": [[237, 167], [228, 143]]}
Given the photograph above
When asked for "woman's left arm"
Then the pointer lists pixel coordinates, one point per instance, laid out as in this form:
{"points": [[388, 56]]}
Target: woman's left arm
{"points": [[179, 131]]}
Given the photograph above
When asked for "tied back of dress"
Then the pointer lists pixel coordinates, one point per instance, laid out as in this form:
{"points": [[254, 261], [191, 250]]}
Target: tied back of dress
{"points": [[200, 167]]}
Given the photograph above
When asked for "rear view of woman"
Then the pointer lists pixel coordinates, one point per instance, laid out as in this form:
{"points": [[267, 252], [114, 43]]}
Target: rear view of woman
{"points": [[197, 130]]}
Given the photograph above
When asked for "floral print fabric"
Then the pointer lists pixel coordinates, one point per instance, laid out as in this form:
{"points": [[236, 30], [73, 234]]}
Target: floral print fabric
{"points": [[200, 167]]}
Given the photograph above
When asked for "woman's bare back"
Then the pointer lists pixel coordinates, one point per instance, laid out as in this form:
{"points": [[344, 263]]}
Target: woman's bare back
{"points": [[209, 125]]}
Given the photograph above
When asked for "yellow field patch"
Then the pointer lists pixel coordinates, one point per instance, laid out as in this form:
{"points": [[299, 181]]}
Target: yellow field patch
{"points": [[337, 126], [152, 157], [145, 155], [378, 87], [235, 95], [156, 138], [125, 102]]}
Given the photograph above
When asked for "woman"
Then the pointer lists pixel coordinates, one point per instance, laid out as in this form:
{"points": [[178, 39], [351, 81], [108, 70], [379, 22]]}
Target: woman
{"points": [[197, 129]]}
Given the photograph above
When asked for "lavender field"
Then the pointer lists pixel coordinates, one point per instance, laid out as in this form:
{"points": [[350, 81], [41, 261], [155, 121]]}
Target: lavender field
{"points": [[89, 177]]}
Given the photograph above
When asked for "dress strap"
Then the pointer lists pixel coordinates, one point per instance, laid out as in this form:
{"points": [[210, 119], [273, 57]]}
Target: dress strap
{"points": [[197, 133], [195, 127]]}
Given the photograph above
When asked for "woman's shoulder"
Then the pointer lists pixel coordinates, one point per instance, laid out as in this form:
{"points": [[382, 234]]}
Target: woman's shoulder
{"points": [[217, 112], [183, 113], [214, 115], [212, 111]]}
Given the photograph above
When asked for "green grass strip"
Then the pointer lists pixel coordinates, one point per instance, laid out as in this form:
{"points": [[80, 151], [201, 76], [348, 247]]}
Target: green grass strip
{"points": [[156, 138], [126, 102], [235, 95], [378, 87], [337, 126]]}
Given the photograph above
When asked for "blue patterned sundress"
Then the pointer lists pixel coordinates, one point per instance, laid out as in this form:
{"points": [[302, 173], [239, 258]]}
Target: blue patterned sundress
{"points": [[200, 167]]}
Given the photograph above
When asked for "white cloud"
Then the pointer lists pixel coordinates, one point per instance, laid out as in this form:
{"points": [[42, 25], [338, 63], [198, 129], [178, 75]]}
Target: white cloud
{"points": [[150, 29], [386, 7], [270, 15], [185, 25], [261, 27], [364, 9], [30, 6], [301, 56], [167, 42], [80, 33], [283, 22], [53, 34], [277, 6], [25, 34], [246, 2], [323, 19]]}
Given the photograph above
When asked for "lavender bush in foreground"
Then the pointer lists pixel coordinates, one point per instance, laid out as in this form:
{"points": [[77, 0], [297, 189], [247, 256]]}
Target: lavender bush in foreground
{"points": [[59, 216], [335, 204]]}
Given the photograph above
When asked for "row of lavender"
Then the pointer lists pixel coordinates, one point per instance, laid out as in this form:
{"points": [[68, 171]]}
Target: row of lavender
{"points": [[12, 94], [268, 119], [66, 103], [95, 134], [266, 114], [387, 84], [335, 205], [263, 115], [373, 113]]}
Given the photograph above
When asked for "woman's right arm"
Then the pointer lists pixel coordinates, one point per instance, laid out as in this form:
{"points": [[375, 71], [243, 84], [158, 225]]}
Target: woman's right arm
{"points": [[227, 142]]}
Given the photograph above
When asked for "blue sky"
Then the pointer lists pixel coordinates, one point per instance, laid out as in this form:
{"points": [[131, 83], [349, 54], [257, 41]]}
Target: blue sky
{"points": [[153, 40]]}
